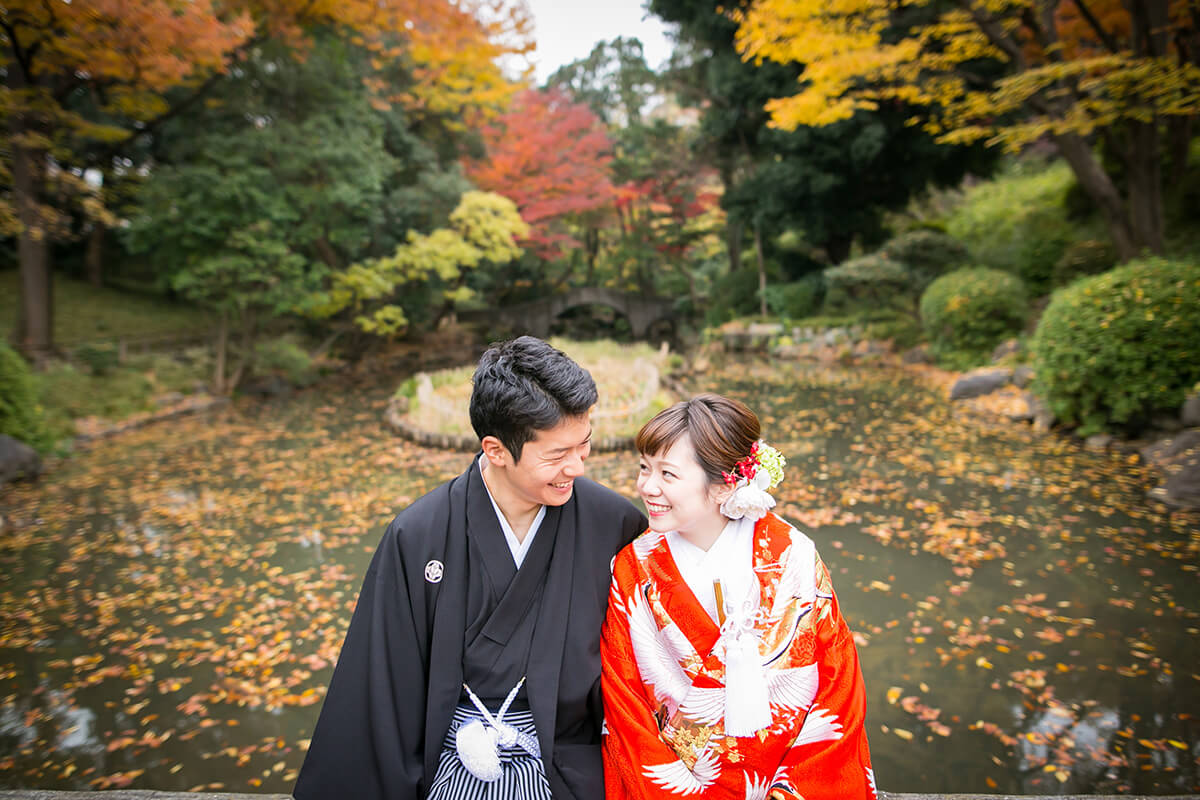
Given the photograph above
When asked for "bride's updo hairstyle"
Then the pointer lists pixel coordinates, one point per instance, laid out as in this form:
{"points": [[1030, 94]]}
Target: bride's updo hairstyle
{"points": [[722, 431]]}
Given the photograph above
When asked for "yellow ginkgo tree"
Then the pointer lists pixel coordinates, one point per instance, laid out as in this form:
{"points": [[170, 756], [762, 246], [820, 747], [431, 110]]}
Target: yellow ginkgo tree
{"points": [[1121, 73]]}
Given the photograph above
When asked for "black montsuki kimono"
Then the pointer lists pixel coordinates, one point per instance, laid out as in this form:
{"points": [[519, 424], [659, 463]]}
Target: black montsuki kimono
{"points": [[438, 578]]}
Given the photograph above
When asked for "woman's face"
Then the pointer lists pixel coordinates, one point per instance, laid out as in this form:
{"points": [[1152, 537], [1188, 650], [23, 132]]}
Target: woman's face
{"points": [[679, 496]]}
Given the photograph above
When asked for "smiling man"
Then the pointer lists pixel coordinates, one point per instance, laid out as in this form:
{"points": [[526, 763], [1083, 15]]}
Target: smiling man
{"points": [[471, 668]]}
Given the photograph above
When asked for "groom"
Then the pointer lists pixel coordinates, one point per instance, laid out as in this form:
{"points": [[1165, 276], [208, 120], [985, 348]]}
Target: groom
{"points": [[485, 596]]}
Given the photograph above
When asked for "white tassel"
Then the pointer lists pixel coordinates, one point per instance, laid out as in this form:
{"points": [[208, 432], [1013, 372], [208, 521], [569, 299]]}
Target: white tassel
{"points": [[747, 702], [477, 741], [476, 746]]}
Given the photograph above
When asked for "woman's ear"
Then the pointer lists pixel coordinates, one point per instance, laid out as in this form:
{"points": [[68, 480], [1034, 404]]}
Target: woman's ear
{"points": [[720, 492]]}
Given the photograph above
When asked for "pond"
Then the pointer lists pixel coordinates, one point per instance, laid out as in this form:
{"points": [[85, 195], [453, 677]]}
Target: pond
{"points": [[172, 600]]}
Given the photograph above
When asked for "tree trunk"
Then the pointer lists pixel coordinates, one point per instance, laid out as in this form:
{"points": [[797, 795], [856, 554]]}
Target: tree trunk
{"points": [[34, 333], [1101, 189], [1145, 186], [94, 257], [591, 250], [733, 245], [327, 254], [222, 349], [1179, 141], [762, 271], [246, 357]]}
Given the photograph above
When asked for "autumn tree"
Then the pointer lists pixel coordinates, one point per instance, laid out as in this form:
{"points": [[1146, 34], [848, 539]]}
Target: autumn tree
{"points": [[484, 228], [112, 71], [126, 52], [1124, 73], [293, 160], [830, 186], [551, 157], [667, 202]]}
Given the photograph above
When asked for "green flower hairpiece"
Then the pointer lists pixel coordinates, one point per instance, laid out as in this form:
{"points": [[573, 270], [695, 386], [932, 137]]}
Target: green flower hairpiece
{"points": [[772, 461]]}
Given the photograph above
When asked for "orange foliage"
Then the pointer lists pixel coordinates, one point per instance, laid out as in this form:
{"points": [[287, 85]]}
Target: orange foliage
{"points": [[549, 156], [132, 50], [147, 45]]}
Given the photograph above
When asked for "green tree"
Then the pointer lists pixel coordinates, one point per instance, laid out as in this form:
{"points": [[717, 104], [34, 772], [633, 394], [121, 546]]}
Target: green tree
{"points": [[289, 181], [614, 81]]}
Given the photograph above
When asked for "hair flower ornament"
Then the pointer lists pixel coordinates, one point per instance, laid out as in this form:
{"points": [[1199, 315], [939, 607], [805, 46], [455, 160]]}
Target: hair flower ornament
{"points": [[752, 478]]}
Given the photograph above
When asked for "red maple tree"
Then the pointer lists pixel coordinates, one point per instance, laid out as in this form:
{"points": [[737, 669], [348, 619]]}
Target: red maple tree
{"points": [[551, 157]]}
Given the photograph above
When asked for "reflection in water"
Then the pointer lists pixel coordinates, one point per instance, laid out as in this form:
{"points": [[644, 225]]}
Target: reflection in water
{"points": [[172, 601]]}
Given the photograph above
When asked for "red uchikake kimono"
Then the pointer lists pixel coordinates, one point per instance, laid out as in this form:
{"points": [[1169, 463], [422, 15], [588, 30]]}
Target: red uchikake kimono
{"points": [[663, 682]]}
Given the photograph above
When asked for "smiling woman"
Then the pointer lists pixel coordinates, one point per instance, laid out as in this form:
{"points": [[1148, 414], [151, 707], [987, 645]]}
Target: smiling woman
{"points": [[727, 664]]}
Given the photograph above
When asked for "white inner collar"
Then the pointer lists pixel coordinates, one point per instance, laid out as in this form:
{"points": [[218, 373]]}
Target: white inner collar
{"points": [[519, 549]]}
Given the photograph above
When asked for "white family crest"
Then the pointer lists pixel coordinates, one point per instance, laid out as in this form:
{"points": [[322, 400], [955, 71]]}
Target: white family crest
{"points": [[434, 571]]}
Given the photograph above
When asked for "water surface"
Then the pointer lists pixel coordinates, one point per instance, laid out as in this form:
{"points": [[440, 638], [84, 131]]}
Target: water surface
{"points": [[172, 600]]}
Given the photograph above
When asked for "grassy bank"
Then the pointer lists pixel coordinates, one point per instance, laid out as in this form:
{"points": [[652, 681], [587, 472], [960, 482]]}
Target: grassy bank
{"points": [[83, 313]]}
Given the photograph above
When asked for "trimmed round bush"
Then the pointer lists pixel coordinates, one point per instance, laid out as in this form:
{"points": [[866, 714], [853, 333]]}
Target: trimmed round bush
{"points": [[797, 299], [868, 282], [1112, 349], [1018, 222], [966, 313], [928, 254], [21, 414]]}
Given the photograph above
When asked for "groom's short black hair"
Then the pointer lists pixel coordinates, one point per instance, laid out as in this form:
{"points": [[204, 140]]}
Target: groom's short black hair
{"points": [[523, 386]]}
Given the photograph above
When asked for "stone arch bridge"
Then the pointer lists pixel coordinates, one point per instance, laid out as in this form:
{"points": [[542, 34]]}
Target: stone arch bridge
{"points": [[536, 316]]}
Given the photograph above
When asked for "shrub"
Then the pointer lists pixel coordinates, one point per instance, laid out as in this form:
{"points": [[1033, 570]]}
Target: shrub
{"points": [[1112, 349], [21, 415], [797, 299], [969, 311], [902, 329], [1018, 222], [284, 355], [1088, 257], [735, 294], [872, 281], [99, 358], [928, 254]]}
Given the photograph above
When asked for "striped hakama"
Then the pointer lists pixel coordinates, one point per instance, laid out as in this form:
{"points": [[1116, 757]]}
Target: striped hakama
{"points": [[524, 777]]}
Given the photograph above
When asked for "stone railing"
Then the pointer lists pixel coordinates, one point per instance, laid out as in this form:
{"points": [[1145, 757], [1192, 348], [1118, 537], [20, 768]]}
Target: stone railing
{"points": [[124, 794]]}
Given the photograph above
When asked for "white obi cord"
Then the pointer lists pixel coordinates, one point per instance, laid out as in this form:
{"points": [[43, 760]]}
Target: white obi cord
{"points": [[747, 702], [478, 741]]}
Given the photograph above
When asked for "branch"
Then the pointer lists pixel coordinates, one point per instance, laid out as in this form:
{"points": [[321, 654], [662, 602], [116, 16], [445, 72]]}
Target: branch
{"points": [[997, 36], [21, 58], [191, 100], [1105, 37]]}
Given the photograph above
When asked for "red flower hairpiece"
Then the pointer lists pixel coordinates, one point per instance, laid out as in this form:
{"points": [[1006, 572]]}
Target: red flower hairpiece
{"points": [[746, 468]]}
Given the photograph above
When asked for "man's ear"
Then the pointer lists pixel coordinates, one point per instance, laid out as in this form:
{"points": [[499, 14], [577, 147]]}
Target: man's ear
{"points": [[495, 451]]}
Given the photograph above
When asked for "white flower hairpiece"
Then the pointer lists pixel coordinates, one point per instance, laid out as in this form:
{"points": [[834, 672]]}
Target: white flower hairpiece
{"points": [[752, 478]]}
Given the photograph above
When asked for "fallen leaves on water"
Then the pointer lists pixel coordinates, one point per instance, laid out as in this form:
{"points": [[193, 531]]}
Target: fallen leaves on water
{"points": [[173, 600]]}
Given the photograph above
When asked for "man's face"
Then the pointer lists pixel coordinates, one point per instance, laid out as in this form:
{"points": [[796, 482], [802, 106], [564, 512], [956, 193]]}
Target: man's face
{"points": [[550, 463]]}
